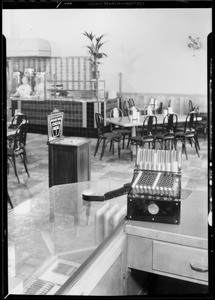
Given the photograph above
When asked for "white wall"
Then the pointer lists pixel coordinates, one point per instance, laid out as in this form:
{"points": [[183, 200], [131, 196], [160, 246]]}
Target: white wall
{"points": [[149, 46]]}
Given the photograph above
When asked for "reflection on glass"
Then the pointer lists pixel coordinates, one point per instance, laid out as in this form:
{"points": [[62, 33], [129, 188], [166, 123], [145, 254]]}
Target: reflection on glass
{"points": [[52, 234]]}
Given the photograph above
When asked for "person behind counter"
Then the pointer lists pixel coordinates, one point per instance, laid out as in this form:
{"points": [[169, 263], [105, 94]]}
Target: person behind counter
{"points": [[39, 89], [24, 90]]}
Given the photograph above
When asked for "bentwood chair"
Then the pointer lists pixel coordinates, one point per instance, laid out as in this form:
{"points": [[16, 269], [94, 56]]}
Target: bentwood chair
{"points": [[203, 124], [9, 200], [166, 137], [148, 134], [189, 133], [107, 136], [159, 109], [16, 148], [17, 120], [131, 102], [125, 107], [125, 133]]}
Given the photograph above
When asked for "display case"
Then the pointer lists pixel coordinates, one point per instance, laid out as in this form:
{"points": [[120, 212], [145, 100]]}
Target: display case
{"points": [[61, 244], [53, 234]]}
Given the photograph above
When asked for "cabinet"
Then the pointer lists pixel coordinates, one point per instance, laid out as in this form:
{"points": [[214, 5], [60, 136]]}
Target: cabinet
{"points": [[69, 160], [172, 260]]}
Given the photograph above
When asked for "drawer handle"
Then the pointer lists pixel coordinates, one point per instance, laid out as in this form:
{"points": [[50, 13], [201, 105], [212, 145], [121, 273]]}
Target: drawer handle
{"points": [[198, 269]]}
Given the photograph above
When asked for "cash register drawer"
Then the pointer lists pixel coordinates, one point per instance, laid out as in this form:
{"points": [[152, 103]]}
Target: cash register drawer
{"points": [[180, 260]]}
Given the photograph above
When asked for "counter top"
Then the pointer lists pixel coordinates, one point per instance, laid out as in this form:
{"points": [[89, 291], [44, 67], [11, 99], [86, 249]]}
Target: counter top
{"points": [[58, 228]]}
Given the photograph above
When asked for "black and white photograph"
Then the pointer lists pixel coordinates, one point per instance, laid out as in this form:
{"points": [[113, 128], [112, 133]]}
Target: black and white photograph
{"points": [[107, 149]]}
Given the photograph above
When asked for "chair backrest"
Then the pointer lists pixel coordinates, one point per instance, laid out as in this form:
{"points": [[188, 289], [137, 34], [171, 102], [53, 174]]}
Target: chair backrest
{"points": [[21, 118], [19, 140], [17, 120], [125, 107], [170, 123], [99, 123], [116, 113], [191, 107], [159, 110], [149, 126], [131, 102], [191, 122]]}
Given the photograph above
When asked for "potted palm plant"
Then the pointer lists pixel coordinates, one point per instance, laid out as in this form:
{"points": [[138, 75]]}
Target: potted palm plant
{"points": [[94, 49]]}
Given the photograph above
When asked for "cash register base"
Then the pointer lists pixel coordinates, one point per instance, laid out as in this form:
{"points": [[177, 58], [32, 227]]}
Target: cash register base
{"points": [[154, 196]]}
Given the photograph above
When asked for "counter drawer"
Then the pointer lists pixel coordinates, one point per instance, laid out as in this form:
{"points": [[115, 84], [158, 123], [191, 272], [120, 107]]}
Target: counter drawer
{"points": [[180, 260]]}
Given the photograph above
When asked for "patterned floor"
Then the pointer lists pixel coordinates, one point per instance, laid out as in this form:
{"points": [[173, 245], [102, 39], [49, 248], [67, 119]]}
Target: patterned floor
{"points": [[194, 176]]}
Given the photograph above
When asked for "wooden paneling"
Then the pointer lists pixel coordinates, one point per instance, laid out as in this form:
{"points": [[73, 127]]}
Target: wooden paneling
{"points": [[179, 102]]}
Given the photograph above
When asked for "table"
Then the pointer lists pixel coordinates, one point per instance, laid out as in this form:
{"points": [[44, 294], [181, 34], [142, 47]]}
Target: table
{"points": [[125, 122]]}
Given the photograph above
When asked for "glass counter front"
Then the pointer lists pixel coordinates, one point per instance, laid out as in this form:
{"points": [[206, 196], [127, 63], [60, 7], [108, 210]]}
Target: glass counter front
{"points": [[51, 235]]}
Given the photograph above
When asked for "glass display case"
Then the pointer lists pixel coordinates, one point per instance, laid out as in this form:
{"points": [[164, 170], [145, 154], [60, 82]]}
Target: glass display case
{"points": [[28, 85], [51, 235]]}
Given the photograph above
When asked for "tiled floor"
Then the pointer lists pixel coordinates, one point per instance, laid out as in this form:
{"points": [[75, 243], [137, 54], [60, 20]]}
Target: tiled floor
{"points": [[194, 170]]}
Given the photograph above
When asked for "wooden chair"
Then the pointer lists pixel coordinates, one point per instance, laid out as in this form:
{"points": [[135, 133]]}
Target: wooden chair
{"points": [[125, 107], [107, 136], [166, 137], [189, 133], [125, 133], [203, 124], [131, 102], [16, 148], [148, 134]]}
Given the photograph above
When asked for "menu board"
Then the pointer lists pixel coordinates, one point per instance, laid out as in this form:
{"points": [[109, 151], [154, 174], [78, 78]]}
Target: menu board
{"points": [[55, 126]]}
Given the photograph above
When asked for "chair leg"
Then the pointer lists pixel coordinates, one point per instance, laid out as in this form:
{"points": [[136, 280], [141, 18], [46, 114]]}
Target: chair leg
{"points": [[9, 200], [185, 150], [131, 153], [103, 148], [205, 132], [97, 146], [112, 147], [14, 167], [24, 163], [196, 145], [197, 141], [119, 148], [175, 144], [123, 141]]}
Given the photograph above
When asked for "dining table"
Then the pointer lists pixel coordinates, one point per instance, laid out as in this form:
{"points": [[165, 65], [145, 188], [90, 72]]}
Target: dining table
{"points": [[125, 121]]}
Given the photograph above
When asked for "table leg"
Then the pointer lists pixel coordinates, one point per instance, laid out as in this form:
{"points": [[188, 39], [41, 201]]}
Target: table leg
{"points": [[133, 133]]}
